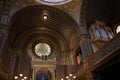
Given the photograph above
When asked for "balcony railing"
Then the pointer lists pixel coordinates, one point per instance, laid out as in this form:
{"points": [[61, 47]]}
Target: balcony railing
{"points": [[107, 50]]}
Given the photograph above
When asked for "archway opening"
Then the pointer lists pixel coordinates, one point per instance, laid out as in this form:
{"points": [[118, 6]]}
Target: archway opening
{"points": [[42, 76]]}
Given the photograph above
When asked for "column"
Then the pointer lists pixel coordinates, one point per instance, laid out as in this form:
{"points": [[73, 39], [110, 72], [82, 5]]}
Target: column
{"points": [[85, 46], [33, 74], [71, 62]]}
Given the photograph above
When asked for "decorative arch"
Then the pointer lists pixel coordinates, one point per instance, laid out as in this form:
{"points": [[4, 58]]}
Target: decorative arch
{"points": [[44, 71]]}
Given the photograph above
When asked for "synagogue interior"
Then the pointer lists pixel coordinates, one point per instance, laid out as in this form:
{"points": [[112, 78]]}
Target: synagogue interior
{"points": [[59, 39]]}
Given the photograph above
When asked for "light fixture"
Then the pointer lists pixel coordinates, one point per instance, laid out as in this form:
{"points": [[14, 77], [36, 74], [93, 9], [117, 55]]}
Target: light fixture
{"points": [[70, 77], [61, 78], [15, 77], [45, 17], [20, 77], [45, 14]]}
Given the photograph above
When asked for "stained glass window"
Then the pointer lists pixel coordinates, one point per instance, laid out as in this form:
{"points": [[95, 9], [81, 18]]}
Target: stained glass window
{"points": [[42, 49]]}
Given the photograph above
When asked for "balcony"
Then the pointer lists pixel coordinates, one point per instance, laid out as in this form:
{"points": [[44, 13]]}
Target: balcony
{"points": [[107, 52]]}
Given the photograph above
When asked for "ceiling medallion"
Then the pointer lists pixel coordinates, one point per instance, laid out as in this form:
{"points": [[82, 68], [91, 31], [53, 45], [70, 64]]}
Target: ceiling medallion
{"points": [[53, 2]]}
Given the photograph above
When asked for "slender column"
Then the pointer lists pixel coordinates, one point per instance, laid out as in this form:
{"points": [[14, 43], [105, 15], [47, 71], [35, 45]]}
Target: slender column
{"points": [[71, 62], [53, 71], [33, 74], [85, 46]]}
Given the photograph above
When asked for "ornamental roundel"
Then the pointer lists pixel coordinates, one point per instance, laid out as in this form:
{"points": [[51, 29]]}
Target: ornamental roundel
{"points": [[42, 49], [53, 2]]}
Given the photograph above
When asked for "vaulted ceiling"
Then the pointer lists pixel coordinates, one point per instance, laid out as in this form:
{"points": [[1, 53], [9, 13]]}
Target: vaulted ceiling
{"points": [[28, 27], [65, 24]]}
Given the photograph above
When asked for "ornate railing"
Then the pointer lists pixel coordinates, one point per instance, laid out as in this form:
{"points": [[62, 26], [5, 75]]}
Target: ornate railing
{"points": [[108, 49]]}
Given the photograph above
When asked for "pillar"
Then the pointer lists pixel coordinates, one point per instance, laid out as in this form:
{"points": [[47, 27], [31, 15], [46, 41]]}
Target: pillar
{"points": [[85, 46]]}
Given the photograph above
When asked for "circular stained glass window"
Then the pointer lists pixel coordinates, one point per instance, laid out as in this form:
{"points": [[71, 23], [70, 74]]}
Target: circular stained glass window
{"points": [[42, 49], [53, 2]]}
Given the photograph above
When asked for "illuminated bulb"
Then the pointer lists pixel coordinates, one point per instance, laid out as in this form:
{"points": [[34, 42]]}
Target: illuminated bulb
{"points": [[74, 77], [21, 75], [15, 77], [70, 74], [45, 17], [61, 78], [25, 77], [22, 79], [67, 77]]}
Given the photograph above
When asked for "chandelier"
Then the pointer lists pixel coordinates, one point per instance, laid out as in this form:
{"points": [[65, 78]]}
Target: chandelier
{"points": [[20, 77], [70, 77]]}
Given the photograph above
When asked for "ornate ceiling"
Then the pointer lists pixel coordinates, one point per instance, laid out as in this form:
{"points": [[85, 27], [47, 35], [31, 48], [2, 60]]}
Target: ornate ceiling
{"points": [[32, 17], [67, 7], [28, 27], [26, 15]]}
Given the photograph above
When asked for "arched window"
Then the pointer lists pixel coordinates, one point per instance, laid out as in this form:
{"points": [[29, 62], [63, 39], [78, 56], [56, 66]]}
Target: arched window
{"points": [[104, 34], [97, 33]]}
